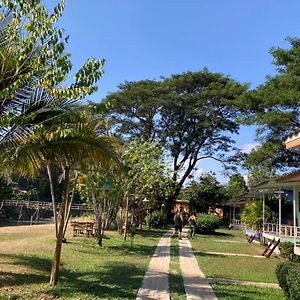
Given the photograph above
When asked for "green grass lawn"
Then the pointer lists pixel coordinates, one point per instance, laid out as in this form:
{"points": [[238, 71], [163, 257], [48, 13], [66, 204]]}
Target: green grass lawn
{"points": [[228, 241], [233, 267], [87, 272], [176, 286], [237, 292]]}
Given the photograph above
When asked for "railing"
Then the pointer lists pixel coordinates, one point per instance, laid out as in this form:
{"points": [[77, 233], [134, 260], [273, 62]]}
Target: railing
{"points": [[235, 222], [42, 205], [286, 230]]}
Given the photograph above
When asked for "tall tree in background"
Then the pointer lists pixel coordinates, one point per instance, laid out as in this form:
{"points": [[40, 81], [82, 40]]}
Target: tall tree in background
{"points": [[262, 161], [191, 115], [236, 186], [274, 107], [205, 193]]}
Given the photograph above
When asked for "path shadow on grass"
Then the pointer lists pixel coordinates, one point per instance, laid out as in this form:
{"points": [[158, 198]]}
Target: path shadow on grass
{"points": [[121, 280], [150, 233], [219, 234], [143, 250], [39, 266], [215, 255], [14, 279], [113, 282]]}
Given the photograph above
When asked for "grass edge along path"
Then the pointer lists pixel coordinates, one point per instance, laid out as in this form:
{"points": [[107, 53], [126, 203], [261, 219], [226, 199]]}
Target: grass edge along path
{"points": [[238, 292], [176, 285]]}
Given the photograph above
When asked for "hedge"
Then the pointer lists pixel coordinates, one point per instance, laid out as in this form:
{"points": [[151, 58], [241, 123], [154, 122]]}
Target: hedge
{"points": [[288, 275], [157, 219], [207, 223]]}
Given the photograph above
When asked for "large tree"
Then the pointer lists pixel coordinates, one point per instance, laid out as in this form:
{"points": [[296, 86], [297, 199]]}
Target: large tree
{"points": [[274, 107], [191, 115]]}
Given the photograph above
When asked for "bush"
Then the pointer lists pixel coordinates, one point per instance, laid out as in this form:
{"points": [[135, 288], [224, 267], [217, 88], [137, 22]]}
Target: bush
{"points": [[157, 219], [286, 249], [207, 223], [288, 275]]}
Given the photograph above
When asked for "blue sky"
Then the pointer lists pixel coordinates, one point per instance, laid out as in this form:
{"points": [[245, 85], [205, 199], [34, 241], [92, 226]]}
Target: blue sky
{"points": [[143, 39]]}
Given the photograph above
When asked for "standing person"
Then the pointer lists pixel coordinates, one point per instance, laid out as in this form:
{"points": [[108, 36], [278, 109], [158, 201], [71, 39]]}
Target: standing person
{"points": [[192, 225], [178, 223]]}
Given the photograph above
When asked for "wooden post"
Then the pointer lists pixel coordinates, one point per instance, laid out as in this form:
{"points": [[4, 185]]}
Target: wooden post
{"points": [[263, 225], [294, 214], [279, 213]]}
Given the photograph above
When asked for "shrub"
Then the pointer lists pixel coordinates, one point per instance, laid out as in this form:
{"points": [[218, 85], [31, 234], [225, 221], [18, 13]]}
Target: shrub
{"points": [[207, 223], [286, 249], [288, 275], [156, 219]]}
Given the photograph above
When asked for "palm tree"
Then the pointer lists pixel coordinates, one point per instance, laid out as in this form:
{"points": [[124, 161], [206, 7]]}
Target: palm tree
{"points": [[36, 128], [70, 141]]}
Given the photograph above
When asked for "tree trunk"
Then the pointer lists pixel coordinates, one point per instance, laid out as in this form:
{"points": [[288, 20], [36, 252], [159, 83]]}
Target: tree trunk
{"points": [[69, 208], [62, 212], [52, 198], [99, 232], [126, 214]]}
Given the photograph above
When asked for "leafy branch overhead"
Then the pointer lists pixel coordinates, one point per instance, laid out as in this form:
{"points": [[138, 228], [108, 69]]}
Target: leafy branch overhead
{"points": [[274, 108], [33, 53]]}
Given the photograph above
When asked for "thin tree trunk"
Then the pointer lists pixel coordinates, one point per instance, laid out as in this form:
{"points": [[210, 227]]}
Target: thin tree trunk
{"points": [[99, 231], [52, 198], [126, 214], [69, 207], [57, 252]]}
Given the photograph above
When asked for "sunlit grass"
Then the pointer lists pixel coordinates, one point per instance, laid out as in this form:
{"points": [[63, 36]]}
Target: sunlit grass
{"points": [[237, 292], [87, 272], [233, 267]]}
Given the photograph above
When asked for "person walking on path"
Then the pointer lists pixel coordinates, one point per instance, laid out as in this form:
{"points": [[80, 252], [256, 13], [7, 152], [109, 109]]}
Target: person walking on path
{"points": [[192, 226], [178, 220]]}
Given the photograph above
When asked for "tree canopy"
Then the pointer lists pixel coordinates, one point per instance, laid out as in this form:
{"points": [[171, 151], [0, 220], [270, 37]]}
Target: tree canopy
{"points": [[274, 107], [191, 115], [205, 193]]}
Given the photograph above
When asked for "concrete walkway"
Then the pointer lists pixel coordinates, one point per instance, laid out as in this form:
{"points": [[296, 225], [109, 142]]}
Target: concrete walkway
{"points": [[197, 287], [156, 281], [195, 284]]}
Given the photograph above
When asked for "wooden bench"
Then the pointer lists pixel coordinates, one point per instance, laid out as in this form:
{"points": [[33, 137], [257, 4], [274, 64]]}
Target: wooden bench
{"points": [[81, 228]]}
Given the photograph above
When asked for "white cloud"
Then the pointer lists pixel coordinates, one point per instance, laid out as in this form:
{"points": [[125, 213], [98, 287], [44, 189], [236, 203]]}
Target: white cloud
{"points": [[246, 148], [198, 173]]}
